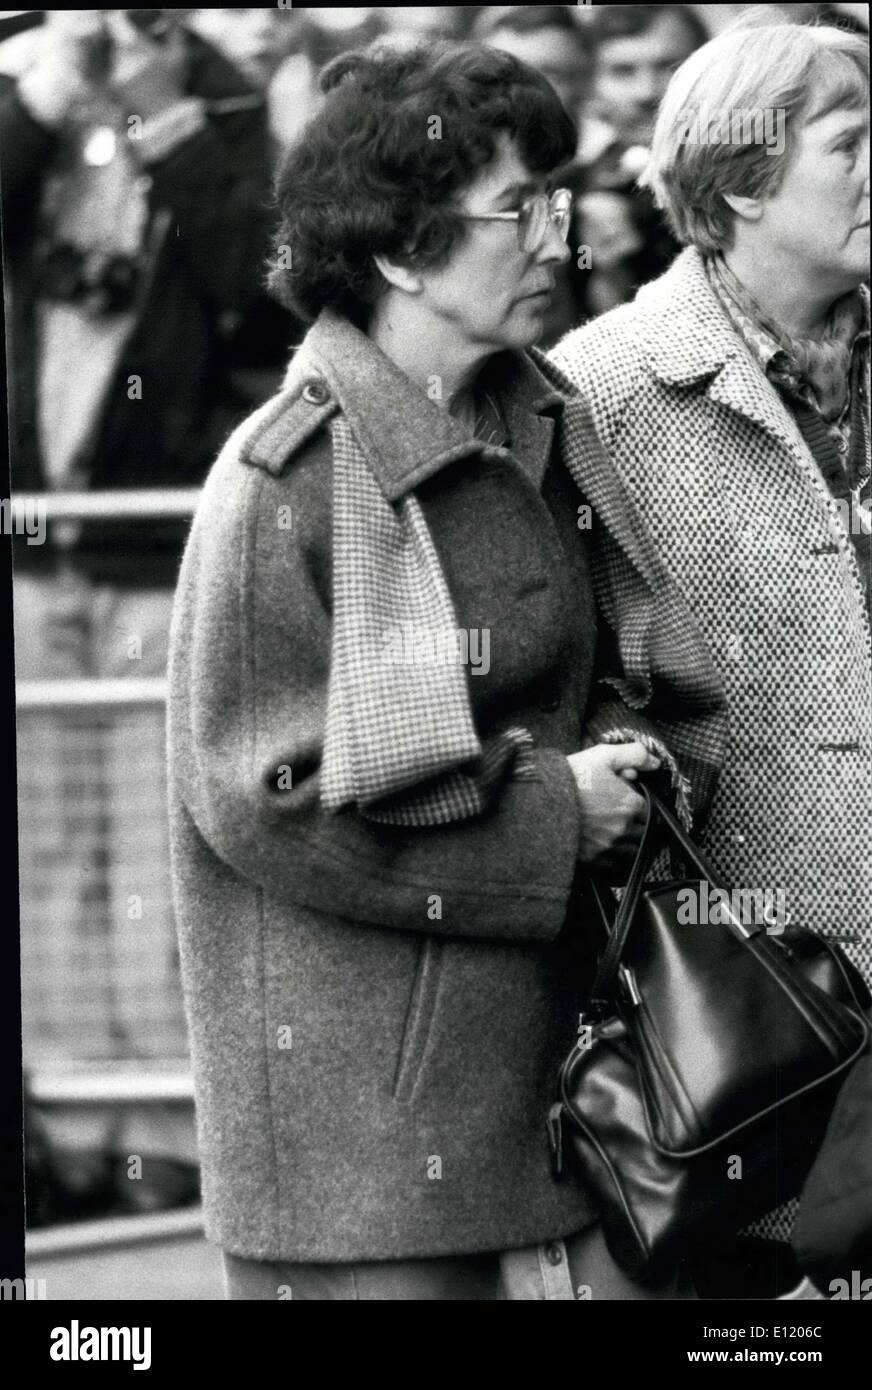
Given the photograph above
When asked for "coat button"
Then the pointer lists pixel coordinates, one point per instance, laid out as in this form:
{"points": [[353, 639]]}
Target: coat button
{"points": [[553, 1253], [316, 393]]}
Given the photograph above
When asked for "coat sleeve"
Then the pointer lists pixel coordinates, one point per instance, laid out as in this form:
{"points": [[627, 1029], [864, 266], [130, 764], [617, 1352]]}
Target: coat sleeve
{"points": [[610, 719], [249, 668]]}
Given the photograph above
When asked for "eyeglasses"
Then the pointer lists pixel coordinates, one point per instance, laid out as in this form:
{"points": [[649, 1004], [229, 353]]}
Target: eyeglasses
{"points": [[534, 218]]}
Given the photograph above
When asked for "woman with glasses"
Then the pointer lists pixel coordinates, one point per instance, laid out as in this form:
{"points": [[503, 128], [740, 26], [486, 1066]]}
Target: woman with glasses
{"points": [[392, 762]]}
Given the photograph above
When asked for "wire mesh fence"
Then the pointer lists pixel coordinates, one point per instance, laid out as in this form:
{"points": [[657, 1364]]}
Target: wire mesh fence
{"points": [[100, 977], [99, 963]]}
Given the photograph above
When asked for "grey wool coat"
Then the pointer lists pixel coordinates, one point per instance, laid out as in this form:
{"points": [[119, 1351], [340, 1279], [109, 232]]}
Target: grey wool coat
{"points": [[377, 1012]]}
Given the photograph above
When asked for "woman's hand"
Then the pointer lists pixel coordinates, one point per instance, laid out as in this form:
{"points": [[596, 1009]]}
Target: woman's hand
{"points": [[613, 814]]}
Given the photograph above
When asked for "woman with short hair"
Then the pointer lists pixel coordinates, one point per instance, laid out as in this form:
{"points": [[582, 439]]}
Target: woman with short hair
{"points": [[732, 397], [386, 660]]}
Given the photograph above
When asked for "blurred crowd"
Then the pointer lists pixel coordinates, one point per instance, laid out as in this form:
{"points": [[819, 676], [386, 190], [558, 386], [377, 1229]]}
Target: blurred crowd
{"points": [[138, 153], [138, 149]]}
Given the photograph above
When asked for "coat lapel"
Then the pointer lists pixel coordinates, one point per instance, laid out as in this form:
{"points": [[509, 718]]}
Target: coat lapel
{"points": [[406, 437], [688, 339], [742, 387], [585, 457]]}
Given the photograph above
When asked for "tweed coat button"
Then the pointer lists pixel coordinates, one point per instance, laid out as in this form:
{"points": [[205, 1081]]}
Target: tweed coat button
{"points": [[553, 1253], [315, 392]]}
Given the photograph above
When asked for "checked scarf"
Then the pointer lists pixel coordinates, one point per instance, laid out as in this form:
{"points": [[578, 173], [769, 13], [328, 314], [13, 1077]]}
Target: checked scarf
{"points": [[398, 708], [400, 741]]}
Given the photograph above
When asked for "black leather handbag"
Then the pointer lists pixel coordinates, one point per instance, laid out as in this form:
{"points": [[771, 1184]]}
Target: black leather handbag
{"points": [[708, 1060]]}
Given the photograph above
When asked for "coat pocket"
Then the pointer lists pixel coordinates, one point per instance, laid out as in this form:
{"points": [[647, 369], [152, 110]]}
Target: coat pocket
{"points": [[419, 1018]]}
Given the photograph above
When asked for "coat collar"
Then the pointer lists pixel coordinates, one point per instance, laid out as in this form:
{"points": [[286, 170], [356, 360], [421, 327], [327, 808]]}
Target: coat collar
{"points": [[688, 339], [585, 458], [411, 438], [406, 436], [684, 331]]}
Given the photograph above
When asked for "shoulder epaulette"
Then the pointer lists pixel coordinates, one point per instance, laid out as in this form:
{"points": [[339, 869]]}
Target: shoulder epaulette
{"points": [[293, 418]]}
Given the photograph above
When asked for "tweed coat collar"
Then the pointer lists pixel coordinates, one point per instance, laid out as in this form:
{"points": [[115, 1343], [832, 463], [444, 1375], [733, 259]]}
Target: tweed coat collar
{"points": [[406, 436], [688, 340], [697, 339]]}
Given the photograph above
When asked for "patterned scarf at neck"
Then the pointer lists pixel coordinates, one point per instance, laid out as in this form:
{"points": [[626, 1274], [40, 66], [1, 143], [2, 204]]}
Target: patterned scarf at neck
{"points": [[822, 365]]}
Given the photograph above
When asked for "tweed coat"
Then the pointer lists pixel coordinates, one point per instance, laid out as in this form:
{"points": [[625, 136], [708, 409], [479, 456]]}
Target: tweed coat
{"points": [[377, 1012], [744, 523]]}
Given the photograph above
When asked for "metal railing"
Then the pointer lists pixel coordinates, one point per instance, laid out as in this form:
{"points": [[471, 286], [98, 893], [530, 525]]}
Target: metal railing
{"points": [[138, 504], [100, 976], [104, 694]]}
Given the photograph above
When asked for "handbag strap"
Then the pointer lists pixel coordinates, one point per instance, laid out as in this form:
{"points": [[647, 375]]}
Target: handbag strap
{"points": [[605, 981]]}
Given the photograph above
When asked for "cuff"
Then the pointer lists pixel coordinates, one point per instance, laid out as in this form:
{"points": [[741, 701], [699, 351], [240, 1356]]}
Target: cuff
{"points": [[614, 725]]}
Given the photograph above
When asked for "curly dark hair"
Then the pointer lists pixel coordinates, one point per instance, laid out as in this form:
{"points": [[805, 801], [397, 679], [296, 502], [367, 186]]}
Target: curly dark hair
{"points": [[366, 176]]}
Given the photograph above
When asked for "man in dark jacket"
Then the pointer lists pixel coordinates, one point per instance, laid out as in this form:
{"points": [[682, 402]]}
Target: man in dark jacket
{"points": [[135, 175], [135, 183]]}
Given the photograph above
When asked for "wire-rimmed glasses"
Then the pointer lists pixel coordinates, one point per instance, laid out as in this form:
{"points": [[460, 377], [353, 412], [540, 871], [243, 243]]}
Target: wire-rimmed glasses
{"points": [[534, 218]]}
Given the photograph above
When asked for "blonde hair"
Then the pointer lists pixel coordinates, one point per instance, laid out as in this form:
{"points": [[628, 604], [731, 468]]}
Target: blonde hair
{"points": [[749, 71]]}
